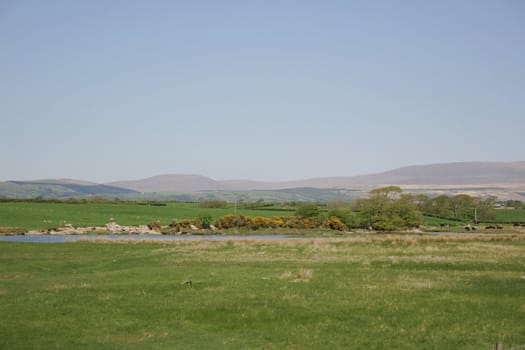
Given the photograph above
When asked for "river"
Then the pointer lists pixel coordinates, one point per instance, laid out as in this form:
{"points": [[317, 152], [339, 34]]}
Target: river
{"points": [[72, 238]]}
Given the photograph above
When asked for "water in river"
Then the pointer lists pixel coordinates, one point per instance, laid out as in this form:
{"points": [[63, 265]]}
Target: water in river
{"points": [[70, 238]]}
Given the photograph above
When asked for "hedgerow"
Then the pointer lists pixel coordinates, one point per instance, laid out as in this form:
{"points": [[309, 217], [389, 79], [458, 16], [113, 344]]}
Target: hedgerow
{"points": [[291, 222]]}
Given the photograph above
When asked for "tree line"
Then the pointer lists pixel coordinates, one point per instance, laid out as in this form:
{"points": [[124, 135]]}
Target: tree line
{"points": [[388, 209], [384, 209]]}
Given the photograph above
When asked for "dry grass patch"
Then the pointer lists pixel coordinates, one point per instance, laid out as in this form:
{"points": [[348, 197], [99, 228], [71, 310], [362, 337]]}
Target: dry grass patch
{"points": [[302, 275], [9, 277], [59, 286], [407, 283], [353, 249]]}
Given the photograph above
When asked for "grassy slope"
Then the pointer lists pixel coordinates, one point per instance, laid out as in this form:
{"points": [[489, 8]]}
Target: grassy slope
{"points": [[45, 215], [295, 294]]}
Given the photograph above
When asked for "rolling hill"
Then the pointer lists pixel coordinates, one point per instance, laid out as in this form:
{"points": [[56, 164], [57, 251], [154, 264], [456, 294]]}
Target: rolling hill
{"points": [[506, 180], [182, 183], [453, 174], [462, 173], [63, 188]]}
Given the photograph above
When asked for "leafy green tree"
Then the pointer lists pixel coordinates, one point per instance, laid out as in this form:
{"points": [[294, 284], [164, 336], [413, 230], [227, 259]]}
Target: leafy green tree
{"points": [[485, 210], [514, 204], [420, 201], [307, 210], [204, 220], [461, 207], [346, 215], [441, 206], [389, 193], [388, 209]]}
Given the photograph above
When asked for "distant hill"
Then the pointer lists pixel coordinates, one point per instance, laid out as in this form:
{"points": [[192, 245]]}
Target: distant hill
{"points": [[58, 189], [467, 173], [502, 179], [464, 173], [281, 195], [183, 183], [506, 180]]}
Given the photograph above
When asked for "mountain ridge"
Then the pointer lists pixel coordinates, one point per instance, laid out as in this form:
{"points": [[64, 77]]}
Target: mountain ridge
{"points": [[503, 179], [459, 173]]}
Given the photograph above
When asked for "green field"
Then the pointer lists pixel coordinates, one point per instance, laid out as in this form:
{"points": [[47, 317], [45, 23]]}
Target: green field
{"points": [[358, 293], [510, 215], [32, 215]]}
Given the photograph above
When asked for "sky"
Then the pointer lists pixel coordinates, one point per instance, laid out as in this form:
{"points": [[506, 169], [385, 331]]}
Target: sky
{"points": [[263, 90]]}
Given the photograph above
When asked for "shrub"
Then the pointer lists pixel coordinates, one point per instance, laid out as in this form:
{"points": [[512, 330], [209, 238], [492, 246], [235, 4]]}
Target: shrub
{"points": [[307, 210], [291, 222], [204, 220], [261, 222], [346, 216], [230, 221], [334, 223], [154, 225], [277, 221], [181, 223], [311, 222]]}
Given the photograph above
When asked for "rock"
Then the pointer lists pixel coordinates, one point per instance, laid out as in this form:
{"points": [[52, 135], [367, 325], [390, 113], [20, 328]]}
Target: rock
{"points": [[34, 232], [110, 228], [113, 227]]}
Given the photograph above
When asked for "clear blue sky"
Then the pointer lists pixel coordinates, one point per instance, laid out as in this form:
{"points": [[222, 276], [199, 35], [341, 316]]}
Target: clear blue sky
{"points": [[267, 90]]}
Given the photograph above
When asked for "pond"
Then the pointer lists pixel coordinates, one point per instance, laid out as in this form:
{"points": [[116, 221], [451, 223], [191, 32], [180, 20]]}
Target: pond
{"points": [[72, 238]]}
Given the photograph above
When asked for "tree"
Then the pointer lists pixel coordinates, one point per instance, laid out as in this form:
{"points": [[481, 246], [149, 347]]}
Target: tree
{"points": [[346, 216], [307, 210], [204, 220], [440, 206], [485, 208], [389, 193], [461, 207], [388, 209]]}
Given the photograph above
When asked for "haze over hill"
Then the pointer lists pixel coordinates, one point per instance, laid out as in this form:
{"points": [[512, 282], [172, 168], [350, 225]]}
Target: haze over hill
{"points": [[183, 183], [465, 173], [506, 180]]}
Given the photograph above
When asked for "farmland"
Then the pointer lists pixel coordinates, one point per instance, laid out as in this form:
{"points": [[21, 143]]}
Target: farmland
{"points": [[381, 292], [33, 215], [36, 215], [510, 215]]}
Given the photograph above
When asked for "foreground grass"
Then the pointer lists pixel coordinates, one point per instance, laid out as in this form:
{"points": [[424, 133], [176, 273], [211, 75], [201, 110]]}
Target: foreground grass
{"points": [[397, 292]]}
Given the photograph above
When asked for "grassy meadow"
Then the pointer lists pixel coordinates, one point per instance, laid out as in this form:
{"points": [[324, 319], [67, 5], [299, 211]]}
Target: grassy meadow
{"points": [[510, 215], [380, 292], [44, 215]]}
